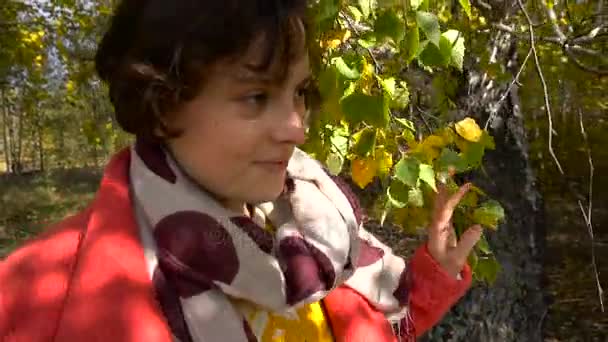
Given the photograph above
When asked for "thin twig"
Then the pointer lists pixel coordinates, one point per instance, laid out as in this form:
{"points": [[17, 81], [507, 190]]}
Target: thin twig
{"points": [[544, 84], [580, 64], [494, 111], [371, 54], [587, 215]]}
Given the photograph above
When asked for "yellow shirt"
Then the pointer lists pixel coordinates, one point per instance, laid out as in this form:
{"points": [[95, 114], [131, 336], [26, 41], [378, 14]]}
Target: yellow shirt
{"points": [[311, 324]]}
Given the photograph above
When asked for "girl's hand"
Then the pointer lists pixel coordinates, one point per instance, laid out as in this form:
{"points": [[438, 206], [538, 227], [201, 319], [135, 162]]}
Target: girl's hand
{"points": [[442, 244]]}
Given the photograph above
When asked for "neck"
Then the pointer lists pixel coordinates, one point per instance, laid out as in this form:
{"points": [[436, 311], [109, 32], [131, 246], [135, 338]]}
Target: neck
{"points": [[236, 206]]}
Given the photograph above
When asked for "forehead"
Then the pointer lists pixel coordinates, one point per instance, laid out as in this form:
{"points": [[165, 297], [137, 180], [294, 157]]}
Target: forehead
{"points": [[272, 56]]}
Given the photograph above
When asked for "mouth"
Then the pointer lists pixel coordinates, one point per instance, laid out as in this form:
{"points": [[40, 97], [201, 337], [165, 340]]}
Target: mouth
{"points": [[273, 165]]}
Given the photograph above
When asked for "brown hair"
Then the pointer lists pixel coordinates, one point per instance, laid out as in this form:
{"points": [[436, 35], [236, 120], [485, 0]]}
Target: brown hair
{"points": [[155, 52]]}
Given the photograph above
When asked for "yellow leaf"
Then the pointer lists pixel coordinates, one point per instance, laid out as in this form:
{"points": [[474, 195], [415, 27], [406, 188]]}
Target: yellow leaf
{"points": [[69, 86], [384, 161], [469, 129], [429, 148], [363, 171]]}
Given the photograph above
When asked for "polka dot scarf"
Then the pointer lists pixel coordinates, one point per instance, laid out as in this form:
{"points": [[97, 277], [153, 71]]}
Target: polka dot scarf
{"points": [[207, 257]]}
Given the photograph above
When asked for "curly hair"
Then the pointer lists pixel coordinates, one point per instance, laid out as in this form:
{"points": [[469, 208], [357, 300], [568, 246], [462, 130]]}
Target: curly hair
{"points": [[155, 53]]}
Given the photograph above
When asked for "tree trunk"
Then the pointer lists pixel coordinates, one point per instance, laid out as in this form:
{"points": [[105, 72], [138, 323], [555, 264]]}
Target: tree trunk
{"points": [[514, 307], [19, 152], [40, 140], [5, 142]]}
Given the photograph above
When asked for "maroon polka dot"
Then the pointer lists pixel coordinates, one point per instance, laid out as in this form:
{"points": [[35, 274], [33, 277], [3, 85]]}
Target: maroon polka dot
{"points": [[403, 290], [307, 270], [155, 159], [249, 333], [260, 236], [368, 254], [196, 249]]}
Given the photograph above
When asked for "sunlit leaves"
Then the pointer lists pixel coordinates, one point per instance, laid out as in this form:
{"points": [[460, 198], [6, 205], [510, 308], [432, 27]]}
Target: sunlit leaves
{"points": [[429, 24], [389, 25], [489, 214], [407, 171], [365, 49], [364, 142], [345, 70], [469, 129], [466, 6], [372, 109], [427, 175], [363, 171]]}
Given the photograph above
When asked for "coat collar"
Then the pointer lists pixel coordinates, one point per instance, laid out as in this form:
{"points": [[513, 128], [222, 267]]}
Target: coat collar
{"points": [[111, 294]]}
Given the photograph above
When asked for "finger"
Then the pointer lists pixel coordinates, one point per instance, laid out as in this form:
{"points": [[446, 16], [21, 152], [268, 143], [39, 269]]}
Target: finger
{"points": [[467, 241], [445, 213], [440, 198]]}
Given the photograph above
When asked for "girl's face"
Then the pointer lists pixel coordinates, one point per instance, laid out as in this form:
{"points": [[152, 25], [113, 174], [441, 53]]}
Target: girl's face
{"points": [[241, 129]]}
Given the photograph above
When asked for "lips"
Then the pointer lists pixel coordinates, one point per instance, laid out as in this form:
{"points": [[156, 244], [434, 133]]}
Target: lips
{"points": [[274, 165]]}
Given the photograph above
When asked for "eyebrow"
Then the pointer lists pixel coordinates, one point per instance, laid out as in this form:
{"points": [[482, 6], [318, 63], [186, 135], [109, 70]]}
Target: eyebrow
{"points": [[247, 76]]}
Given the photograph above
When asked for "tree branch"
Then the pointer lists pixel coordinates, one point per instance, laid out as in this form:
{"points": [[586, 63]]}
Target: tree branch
{"points": [[569, 52], [587, 215], [544, 85], [495, 108], [569, 48], [553, 19]]}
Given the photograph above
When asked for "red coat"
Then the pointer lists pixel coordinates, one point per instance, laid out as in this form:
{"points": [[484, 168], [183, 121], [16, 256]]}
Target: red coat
{"points": [[85, 279]]}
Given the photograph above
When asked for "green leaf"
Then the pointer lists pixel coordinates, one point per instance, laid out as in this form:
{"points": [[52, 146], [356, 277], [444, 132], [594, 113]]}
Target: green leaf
{"points": [[483, 246], [345, 70], [354, 11], [328, 80], [339, 139], [328, 9], [388, 85], [388, 24], [364, 142], [427, 175], [488, 269], [474, 154], [429, 24], [406, 123], [397, 194], [466, 6], [451, 159], [489, 214], [415, 197], [407, 171], [401, 96], [455, 41], [359, 107], [412, 44], [470, 199], [335, 162], [473, 259], [433, 56], [366, 7], [487, 140]]}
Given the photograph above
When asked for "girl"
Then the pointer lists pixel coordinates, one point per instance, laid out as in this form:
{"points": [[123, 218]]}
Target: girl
{"points": [[214, 226]]}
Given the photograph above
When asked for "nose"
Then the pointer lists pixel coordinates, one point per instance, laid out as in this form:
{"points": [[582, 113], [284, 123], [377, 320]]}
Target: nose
{"points": [[290, 129]]}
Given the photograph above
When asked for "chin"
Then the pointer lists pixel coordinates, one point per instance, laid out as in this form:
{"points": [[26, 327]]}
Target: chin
{"points": [[266, 194]]}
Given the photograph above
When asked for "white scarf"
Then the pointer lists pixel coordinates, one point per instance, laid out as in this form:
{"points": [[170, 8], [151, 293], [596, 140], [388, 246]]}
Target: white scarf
{"points": [[212, 257]]}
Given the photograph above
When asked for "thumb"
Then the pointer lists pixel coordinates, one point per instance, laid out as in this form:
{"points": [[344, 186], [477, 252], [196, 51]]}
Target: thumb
{"points": [[467, 241]]}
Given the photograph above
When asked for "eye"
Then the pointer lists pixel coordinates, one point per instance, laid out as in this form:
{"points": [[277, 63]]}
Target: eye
{"points": [[257, 99], [302, 93]]}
